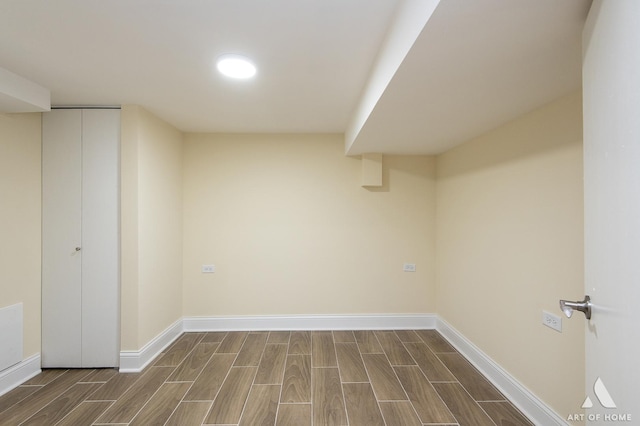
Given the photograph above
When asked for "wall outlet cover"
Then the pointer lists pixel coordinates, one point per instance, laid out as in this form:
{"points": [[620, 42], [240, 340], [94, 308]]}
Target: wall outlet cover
{"points": [[409, 267], [552, 321], [208, 269]]}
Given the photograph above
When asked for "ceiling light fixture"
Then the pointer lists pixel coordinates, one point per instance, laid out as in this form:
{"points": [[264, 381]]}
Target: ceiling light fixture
{"points": [[236, 66]]}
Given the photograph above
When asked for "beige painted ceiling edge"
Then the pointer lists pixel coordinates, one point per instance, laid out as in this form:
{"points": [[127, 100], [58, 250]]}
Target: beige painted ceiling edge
{"points": [[394, 76]]}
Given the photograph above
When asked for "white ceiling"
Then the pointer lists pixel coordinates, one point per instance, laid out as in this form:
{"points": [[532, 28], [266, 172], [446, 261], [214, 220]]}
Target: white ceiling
{"points": [[474, 65]]}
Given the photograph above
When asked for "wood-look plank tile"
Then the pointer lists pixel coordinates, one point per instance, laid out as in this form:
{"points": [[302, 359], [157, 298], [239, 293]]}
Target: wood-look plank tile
{"points": [[296, 378], [62, 405], [504, 414], [341, 336], [408, 336], [101, 375], [475, 383], [271, 368], [429, 363], [25, 408], [362, 406], [232, 342], [85, 413], [328, 401], [383, 379], [399, 413], [279, 337], [262, 406], [178, 350], [16, 395], [393, 347], [435, 341], [368, 342], [423, 396], [231, 398], [251, 351], [350, 363], [463, 407], [159, 408], [189, 413], [211, 378], [323, 351], [115, 387], [296, 387], [294, 415], [128, 405], [193, 364], [47, 376], [300, 343], [213, 337]]}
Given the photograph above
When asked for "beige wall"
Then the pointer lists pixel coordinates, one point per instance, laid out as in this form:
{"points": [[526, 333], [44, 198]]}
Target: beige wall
{"points": [[291, 231], [20, 218], [151, 173], [510, 244]]}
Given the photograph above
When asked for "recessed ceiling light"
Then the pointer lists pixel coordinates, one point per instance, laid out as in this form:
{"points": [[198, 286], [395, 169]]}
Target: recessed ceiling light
{"points": [[236, 66]]}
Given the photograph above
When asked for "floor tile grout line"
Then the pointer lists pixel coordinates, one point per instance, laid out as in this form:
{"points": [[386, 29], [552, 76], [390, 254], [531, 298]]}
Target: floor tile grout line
{"points": [[58, 395], [286, 358], [150, 398], [425, 376], [253, 382], [369, 377], [225, 377], [311, 381], [476, 402], [474, 368], [344, 399], [87, 402]]}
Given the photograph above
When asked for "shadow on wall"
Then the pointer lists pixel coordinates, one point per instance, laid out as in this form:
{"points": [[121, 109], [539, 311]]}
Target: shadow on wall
{"points": [[410, 165], [546, 129]]}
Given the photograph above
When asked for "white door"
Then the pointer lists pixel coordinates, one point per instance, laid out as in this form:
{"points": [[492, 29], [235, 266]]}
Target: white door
{"points": [[80, 286], [611, 87], [61, 235]]}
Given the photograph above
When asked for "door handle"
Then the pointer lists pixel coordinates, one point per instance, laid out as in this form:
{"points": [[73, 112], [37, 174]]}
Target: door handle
{"points": [[583, 306]]}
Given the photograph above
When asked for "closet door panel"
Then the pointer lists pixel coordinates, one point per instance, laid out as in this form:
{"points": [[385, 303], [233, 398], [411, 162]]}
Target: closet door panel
{"points": [[100, 237], [61, 235]]}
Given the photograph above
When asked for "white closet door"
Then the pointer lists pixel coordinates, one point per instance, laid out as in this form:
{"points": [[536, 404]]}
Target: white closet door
{"points": [[80, 276], [61, 235], [100, 244]]}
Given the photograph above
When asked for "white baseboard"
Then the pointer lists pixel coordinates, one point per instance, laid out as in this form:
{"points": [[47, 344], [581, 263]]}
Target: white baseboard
{"points": [[136, 361], [19, 373], [312, 322], [530, 405]]}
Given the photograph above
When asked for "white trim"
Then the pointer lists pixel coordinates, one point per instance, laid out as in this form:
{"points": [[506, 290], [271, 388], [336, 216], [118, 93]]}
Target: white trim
{"points": [[136, 361], [312, 322], [530, 405], [19, 373]]}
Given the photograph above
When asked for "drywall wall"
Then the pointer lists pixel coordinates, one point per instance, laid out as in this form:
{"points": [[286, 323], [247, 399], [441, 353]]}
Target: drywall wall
{"points": [[510, 244], [290, 230], [151, 226], [20, 219]]}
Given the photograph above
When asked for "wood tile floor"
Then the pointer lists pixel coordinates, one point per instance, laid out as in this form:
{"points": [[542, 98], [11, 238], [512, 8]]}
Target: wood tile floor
{"points": [[356, 378]]}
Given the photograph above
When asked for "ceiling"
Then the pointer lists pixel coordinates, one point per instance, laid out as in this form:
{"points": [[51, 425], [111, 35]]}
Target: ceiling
{"points": [[395, 76]]}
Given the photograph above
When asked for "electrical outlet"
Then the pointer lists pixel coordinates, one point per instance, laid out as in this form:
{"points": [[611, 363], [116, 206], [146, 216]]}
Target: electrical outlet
{"points": [[552, 321], [409, 267], [208, 269]]}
